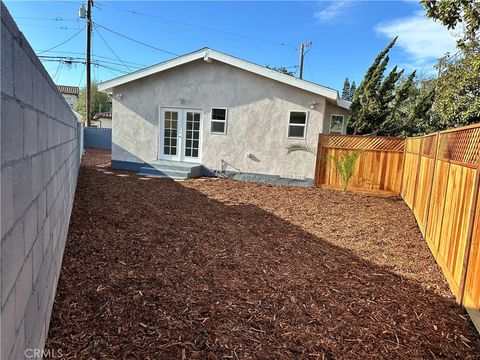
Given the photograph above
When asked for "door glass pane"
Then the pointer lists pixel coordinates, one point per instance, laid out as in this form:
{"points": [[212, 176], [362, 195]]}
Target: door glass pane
{"points": [[192, 135], [170, 125]]}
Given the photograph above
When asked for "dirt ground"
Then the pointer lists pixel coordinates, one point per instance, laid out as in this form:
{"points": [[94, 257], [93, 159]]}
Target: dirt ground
{"points": [[220, 269]]}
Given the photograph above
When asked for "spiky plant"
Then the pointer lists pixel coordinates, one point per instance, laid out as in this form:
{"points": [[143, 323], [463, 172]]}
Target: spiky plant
{"points": [[345, 165], [300, 147]]}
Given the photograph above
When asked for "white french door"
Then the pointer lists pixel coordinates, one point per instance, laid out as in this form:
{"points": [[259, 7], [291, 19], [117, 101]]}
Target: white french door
{"points": [[180, 134]]}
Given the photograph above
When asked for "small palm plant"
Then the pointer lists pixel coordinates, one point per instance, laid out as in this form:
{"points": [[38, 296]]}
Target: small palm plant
{"points": [[345, 165], [300, 147]]}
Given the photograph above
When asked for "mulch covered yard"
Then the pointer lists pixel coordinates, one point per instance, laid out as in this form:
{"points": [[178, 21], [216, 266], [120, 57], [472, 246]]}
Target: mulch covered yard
{"points": [[220, 269]]}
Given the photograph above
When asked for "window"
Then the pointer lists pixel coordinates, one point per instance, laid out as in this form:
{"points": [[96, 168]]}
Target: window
{"points": [[297, 124], [218, 121], [336, 124]]}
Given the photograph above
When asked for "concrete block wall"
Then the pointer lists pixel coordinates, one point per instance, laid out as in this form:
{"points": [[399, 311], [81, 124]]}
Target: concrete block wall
{"points": [[39, 166]]}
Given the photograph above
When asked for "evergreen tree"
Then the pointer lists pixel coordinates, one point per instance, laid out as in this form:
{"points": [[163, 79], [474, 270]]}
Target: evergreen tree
{"points": [[378, 98], [414, 116], [353, 88], [346, 90]]}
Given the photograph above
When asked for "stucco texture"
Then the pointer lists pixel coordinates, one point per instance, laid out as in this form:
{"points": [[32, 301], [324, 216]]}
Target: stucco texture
{"points": [[257, 121]]}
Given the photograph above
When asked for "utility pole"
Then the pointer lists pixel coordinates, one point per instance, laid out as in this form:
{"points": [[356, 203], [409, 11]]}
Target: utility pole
{"points": [[89, 36], [304, 47], [87, 14]]}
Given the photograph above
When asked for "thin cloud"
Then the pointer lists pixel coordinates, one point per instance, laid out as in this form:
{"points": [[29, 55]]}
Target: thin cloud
{"points": [[332, 10], [423, 39]]}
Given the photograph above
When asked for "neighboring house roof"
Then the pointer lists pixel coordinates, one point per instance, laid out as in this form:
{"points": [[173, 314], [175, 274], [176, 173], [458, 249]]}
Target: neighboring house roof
{"points": [[103, 115], [69, 90], [208, 55], [78, 115]]}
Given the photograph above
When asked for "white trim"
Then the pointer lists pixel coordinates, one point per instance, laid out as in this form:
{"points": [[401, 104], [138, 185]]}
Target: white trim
{"points": [[224, 121], [180, 140], [343, 124], [183, 157], [161, 131], [208, 55], [298, 125], [344, 103]]}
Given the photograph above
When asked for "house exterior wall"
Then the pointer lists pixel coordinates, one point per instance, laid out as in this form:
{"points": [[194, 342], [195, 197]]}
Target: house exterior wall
{"points": [[40, 158], [70, 99], [332, 109], [257, 122]]}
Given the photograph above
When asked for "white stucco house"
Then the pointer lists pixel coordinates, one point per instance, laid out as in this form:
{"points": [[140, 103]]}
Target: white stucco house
{"points": [[208, 112], [69, 93]]}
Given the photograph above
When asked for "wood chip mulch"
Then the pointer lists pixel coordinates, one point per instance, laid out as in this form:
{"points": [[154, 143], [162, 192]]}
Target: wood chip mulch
{"points": [[220, 269]]}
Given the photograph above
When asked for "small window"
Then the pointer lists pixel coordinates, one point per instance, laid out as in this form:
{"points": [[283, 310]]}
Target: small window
{"points": [[297, 124], [336, 124], [218, 121]]}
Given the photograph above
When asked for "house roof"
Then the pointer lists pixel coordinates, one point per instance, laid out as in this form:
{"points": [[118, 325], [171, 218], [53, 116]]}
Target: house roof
{"points": [[103, 115], [208, 55], [69, 90]]}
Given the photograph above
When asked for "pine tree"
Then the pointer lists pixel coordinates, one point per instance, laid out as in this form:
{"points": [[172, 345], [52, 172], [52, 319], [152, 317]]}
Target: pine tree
{"points": [[369, 74], [353, 88], [378, 98], [346, 90]]}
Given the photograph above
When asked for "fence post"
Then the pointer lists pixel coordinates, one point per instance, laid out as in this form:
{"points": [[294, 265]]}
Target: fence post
{"points": [[468, 242], [318, 165], [419, 162], [432, 177], [403, 165]]}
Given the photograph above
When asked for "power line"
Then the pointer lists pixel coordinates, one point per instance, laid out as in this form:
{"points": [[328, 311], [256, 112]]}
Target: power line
{"points": [[112, 68], [48, 26], [137, 41], [63, 42], [58, 71], [81, 76], [156, 26], [96, 63], [44, 19], [69, 60], [201, 26], [108, 46], [133, 64]]}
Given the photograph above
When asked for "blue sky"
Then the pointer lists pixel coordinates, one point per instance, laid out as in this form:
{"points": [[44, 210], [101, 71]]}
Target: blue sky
{"points": [[346, 35]]}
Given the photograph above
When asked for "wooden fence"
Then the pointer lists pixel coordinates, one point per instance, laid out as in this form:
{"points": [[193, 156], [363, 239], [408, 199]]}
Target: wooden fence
{"points": [[438, 176], [440, 184], [378, 169]]}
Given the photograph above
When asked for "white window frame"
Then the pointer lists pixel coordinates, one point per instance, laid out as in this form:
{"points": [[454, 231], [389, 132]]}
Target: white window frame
{"points": [[330, 124], [305, 126], [219, 121]]}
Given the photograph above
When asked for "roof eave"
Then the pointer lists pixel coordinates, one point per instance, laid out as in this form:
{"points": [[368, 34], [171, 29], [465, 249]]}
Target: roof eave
{"points": [[208, 55], [344, 103]]}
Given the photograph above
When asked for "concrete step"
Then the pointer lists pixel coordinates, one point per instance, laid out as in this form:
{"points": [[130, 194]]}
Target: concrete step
{"points": [[171, 169], [168, 173]]}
